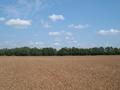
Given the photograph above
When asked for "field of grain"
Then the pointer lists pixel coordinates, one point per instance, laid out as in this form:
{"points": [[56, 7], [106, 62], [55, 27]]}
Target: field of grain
{"points": [[60, 73]]}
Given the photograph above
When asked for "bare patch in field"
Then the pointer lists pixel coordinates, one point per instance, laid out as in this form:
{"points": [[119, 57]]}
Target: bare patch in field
{"points": [[60, 73]]}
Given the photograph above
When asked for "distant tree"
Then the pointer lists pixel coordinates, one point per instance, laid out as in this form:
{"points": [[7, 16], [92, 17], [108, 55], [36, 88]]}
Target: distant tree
{"points": [[74, 51], [26, 51], [64, 52], [49, 52], [35, 52], [116, 51]]}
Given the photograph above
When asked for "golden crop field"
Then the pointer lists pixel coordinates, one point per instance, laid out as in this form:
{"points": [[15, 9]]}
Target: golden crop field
{"points": [[60, 73]]}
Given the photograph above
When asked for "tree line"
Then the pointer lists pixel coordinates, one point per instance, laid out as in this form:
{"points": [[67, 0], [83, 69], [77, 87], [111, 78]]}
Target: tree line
{"points": [[26, 51]]}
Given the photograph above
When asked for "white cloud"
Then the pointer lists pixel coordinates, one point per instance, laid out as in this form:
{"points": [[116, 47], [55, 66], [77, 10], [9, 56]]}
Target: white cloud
{"points": [[57, 44], [68, 33], [80, 26], [45, 24], [2, 19], [18, 23], [36, 43], [55, 17], [32, 4], [23, 8], [54, 33], [109, 32], [63, 38], [67, 38], [74, 41]]}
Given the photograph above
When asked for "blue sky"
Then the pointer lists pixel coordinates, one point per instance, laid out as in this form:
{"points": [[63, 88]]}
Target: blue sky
{"points": [[59, 23]]}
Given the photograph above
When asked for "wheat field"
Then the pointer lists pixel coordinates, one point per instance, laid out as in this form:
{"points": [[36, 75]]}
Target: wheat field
{"points": [[60, 73]]}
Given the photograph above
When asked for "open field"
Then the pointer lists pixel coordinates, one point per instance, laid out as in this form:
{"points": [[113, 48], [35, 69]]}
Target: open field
{"points": [[60, 73]]}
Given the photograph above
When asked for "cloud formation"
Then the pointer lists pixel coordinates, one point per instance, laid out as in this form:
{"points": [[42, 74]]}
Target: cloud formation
{"points": [[64, 38], [56, 44], [54, 33], [69, 33], [55, 17], [23, 8], [20, 23], [109, 32], [35, 43], [79, 27], [45, 24], [2, 19]]}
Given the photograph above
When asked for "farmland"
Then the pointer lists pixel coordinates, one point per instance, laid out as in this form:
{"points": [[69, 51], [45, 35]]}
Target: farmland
{"points": [[60, 73]]}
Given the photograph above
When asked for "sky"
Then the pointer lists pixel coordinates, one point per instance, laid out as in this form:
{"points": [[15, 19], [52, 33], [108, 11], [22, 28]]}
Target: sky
{"points": [[59, 23]]}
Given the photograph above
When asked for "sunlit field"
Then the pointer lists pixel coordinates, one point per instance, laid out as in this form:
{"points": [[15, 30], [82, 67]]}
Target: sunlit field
{"points": [[60, 73]]}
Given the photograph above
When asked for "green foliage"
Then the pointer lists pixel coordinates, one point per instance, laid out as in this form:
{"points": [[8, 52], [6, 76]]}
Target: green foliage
{"points": [[26, 51], [64, 51]]}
